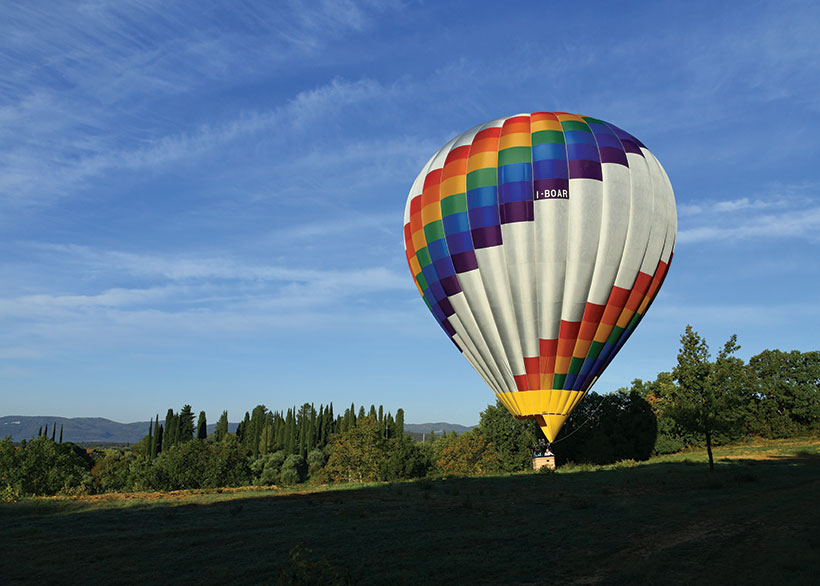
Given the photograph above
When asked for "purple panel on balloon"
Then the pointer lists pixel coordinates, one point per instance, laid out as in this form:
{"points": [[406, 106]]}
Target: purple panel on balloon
{"points": [[487, 236], [450, 285], [517, 211], [465, 261], [585, 170], [613, 155]]}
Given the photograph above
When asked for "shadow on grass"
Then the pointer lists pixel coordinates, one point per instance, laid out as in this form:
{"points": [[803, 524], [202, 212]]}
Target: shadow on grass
{"points": [[669, 522]]}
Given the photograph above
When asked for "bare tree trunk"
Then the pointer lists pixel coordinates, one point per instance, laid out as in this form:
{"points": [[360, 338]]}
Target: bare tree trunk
{"points": [[709, 449]]}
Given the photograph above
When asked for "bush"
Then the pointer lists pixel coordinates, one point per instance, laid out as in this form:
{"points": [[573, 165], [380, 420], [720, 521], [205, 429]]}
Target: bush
{"points": [[315, 462], [112, 473], [266, 468], [44, 467], [294, 470], [198, 464], [470, 453]]}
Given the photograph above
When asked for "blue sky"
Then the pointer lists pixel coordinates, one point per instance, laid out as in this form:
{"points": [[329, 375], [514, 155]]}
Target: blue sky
{"points": [[202, 202]]}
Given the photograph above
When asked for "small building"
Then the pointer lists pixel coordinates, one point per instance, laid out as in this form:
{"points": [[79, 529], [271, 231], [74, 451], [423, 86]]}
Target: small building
{"points": [[543, 461]]}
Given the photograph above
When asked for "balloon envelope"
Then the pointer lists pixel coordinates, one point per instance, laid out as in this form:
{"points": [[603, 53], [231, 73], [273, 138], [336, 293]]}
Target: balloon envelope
{"points": [[538, 241]]}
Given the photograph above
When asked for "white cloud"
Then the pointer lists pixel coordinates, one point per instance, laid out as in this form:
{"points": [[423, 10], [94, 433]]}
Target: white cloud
{"points": [[785, 212]]}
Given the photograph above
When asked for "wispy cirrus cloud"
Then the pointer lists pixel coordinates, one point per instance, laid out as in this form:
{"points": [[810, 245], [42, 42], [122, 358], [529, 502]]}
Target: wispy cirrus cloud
{"points": [[43, 168], [786, 212]]}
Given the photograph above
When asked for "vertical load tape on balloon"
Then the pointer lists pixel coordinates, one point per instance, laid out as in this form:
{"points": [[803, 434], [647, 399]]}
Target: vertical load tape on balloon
{"points": [[538, 241]]}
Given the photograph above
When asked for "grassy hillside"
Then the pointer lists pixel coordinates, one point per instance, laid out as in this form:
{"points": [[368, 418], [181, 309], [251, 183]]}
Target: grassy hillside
{"points": [[668, 521]]}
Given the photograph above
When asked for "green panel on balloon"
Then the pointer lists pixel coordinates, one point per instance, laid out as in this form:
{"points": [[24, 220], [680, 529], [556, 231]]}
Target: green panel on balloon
{"points": [[482, 178], [514, 155], [434, 231], [454, 204], [575, 125], [547, 136]]}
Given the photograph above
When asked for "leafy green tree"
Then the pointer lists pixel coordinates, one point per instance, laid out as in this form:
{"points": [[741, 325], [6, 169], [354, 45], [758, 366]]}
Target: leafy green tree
{"points": [[202, 427], [200, 465], [786, 392], [703, 401], [469, 454], [359, 454], [45, 467], [406, 459], [606, 429], [10, 483], [513, 439], [112, 472]]}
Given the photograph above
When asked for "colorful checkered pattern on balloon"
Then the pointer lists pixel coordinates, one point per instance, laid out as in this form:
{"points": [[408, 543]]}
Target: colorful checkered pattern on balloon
{"points": [[496, 178]]}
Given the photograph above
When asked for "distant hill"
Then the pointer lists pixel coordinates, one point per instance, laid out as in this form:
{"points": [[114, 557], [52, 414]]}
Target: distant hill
{"points": [[420, 431], [80, 429], [98, 429]]}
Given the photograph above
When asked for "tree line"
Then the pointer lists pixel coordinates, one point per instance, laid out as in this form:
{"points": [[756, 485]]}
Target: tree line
{"points": [[701, 401]]}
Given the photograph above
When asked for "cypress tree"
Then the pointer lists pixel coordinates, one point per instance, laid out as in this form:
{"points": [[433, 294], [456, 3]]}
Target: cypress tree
{"points": [[174, 439], [40, 431], [381, 414], [202, 427], [154, 447], [330, 426], [399, 423], [61, 433], [389, 427], [150, 442], [186, 424], [221, 431], [159, 436], [288, 433], [166, 438], [372, 413], [53, 431]]}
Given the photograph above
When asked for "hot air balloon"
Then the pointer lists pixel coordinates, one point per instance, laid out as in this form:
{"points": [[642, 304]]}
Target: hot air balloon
{"points": [[538, 242]]}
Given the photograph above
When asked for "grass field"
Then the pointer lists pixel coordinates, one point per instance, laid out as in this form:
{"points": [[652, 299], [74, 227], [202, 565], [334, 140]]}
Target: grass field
{"points": [[755, 520]]}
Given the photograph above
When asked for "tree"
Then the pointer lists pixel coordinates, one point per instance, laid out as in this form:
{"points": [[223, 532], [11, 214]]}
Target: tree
{"points": [[606, 429], [703, 401], [470, 453], [166, 438], [786, 396], [399, 422], [359, 454], [159, 438], [513, 439], [150, 442], [221, 430], [186, 424], [202, 427]]}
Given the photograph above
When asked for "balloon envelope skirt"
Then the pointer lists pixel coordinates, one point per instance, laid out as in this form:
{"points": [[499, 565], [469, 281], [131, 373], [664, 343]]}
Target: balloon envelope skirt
{"points": [[538, 241]]}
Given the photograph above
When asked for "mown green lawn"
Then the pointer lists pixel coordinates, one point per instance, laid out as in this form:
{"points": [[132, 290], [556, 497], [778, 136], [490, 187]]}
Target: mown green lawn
{"points": [[755, 520]]}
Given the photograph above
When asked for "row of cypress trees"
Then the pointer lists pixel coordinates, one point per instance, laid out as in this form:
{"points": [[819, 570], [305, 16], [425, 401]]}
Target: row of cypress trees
{"points": [[262, 431], [44, 433], [300, 430]]}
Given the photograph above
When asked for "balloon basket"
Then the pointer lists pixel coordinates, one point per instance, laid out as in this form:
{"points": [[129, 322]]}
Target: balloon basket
{"points": [[539, 462]]}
